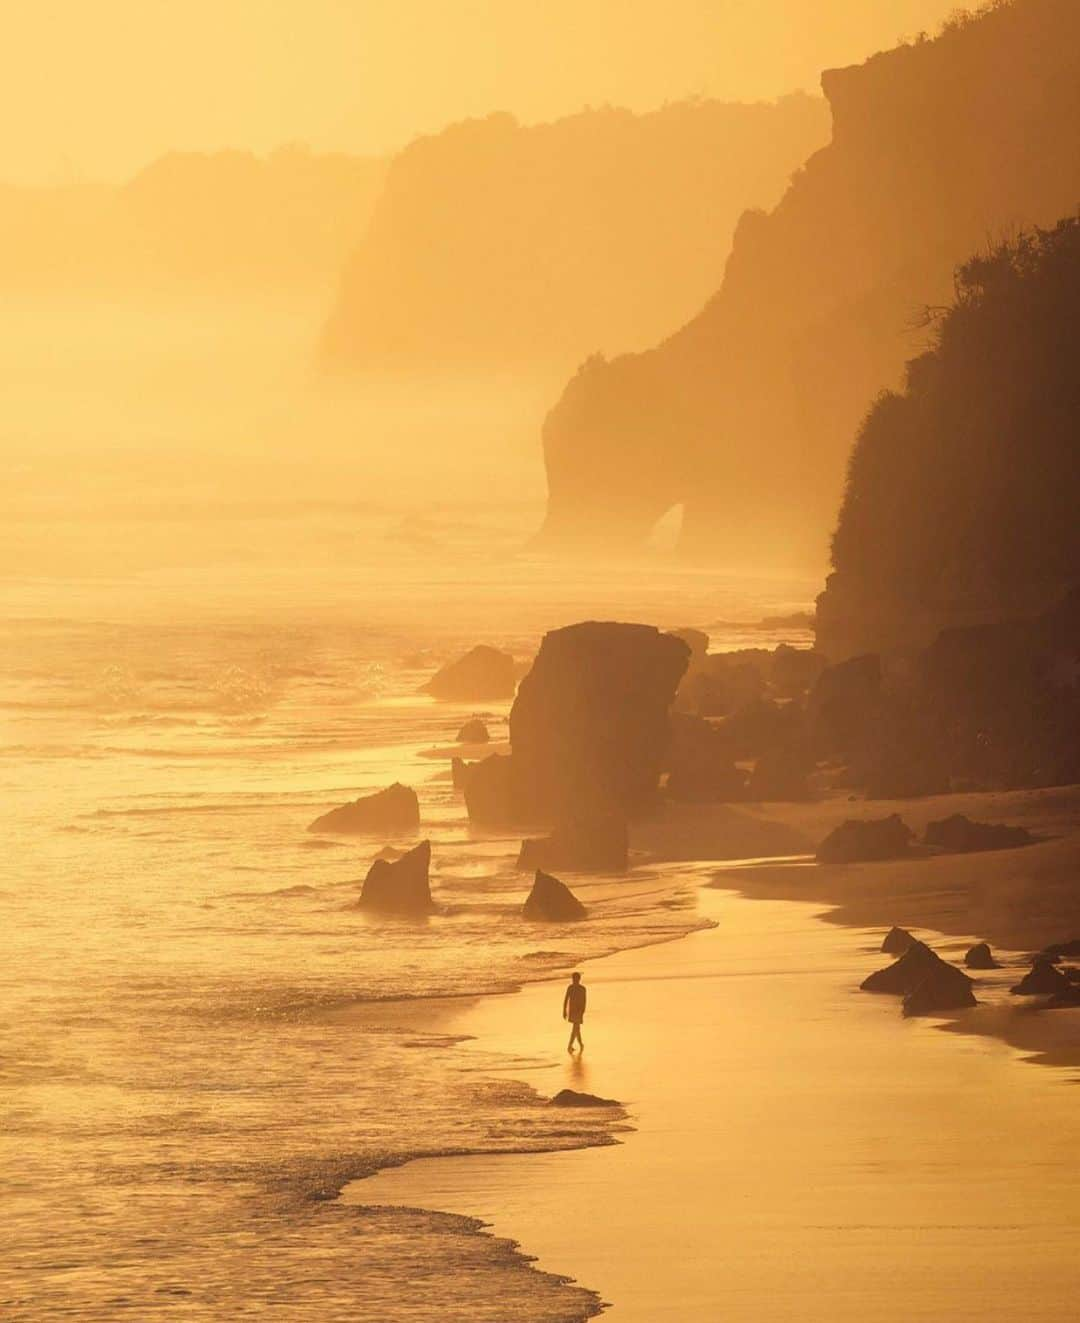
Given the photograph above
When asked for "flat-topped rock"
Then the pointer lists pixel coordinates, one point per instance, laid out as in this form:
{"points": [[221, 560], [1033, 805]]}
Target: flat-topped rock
{"points": [[571, 1098], [960, 835], [860, 840], [552, 901], [400, 886], [393, 811], [482, 673]]}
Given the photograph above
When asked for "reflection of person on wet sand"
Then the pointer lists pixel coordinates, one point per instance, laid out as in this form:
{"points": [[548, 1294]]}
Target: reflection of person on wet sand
{"points": [[573, 1009]]}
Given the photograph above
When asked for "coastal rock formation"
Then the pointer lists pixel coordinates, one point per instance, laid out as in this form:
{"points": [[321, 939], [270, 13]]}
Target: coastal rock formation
{"points": [[498, 244], [959, 834], [718, 683], [1061, 949], [394, 811], [597, 844], [700, 768], [482, 673], [552, 901], [780, 776], [897, 941], [744, 416], [844, 704], [474, 731], [459, 772], [400, 886], [980, 956], [588, 728], [1043, 978], [926, 982], [571, 1098], [856, 841]]}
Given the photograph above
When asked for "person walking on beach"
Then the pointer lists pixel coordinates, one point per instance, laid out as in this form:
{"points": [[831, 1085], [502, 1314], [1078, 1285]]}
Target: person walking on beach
{"points": [[573, 1009]]}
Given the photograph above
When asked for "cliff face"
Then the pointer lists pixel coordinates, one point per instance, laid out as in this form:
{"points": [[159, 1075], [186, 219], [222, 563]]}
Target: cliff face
{"points": [[746, 415], [962, 492], [499, 245]]}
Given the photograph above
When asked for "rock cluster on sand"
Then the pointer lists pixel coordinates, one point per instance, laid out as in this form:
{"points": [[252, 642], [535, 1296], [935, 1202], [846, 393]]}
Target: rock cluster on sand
{"points": [[588, 728], [960, 835], [482, 673], [400, 886], [393, 811], [927, 983], [571, 1098], [552, 901], [1042, 979], [980, 957], [897, 941], [596, 844], [474, 731], [856, 841]]}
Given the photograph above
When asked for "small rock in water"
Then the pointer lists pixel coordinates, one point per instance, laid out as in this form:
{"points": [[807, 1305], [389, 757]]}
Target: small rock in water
{"points": [[473, 732], [552, 901], [1042, 978], [395, 810], [400, 886], [981, 957], [570, 1098]]}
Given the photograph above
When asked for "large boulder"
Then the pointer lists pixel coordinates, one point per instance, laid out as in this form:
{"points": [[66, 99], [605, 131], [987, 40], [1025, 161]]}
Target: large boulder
{"points": [[960, 835], [474, 731], [552, 901], [897, 941], [780, 775], [700, 768], [980, 957], [597, 844], [844, 702], [926, 982], [588, 728], [483, 673], [400, 886], [1042, 979], [856, 841], [394, 811]]}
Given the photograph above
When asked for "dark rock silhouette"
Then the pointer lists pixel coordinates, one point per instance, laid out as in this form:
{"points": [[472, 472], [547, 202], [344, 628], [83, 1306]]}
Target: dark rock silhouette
{"points": [[764, 726], [394, 810], [844, 704], [981, 957], [1060, 949], [700, 768], [718, 683], [552, 901], [597, 844], [1042, 978], [780, 775], [571, 1098], [588, 728], [897, 941], [459, 772], [770, 380], [400, 886], [855, 841], [925, 981], [474, 731], [500, 244], [792, 671], [959, 834], [482, 673]]}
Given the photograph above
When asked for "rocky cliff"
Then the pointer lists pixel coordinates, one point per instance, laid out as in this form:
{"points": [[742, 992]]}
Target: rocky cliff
{"points": [[746, 415], [497, 244]]}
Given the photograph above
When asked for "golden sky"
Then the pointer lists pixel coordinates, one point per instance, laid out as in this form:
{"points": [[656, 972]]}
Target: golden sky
{"points": [[96, 87]]}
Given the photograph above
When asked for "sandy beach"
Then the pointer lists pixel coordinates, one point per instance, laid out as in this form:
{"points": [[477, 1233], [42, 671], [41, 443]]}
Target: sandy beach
{"points": [[841, 1162]]}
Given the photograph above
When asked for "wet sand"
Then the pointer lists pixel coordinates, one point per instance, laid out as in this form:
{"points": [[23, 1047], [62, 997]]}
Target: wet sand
{"points": [[801, 1151]]}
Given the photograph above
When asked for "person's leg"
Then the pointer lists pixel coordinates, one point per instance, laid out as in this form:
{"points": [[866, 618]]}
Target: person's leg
{"points": [[575, 1036], [573, 1031]]}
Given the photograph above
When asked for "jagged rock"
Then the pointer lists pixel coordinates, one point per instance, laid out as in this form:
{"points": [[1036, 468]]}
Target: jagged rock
{"points": [[1059, 949], [588, 728], [482, 673], [959, 834], [700, 769], [897, 941], [393, 811], [844, 703], [571, 1098], [981, 957], [925, 981], [1042, 978], [599, 844], [400, 886], [855, 841], [552, 901], [473, 732], [779, 776]]}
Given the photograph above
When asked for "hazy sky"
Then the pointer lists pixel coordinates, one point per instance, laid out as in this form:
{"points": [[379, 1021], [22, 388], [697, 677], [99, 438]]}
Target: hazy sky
{"points": [[96, 87]]}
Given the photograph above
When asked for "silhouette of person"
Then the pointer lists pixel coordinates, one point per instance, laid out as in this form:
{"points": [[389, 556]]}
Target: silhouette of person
{"points": [[573, 1009]]}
